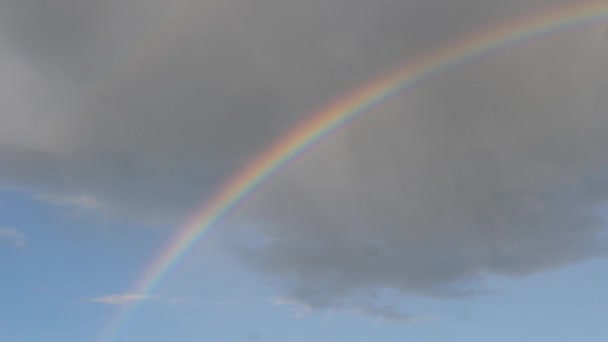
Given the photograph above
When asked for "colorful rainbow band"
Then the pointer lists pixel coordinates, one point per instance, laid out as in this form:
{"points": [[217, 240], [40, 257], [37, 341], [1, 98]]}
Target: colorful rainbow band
{"points": [[340, 113]]}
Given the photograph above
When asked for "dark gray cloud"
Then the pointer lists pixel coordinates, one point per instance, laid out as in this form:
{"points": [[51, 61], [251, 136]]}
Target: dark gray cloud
{"points": [[495, 167], [141, 108], [148, 105]]}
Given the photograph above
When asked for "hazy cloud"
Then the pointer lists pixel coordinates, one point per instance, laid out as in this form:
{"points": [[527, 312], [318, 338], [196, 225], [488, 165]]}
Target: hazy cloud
{"points": [[388, 314], [299, 308], [382, 313], [73, 201], [183, 300], [142, 108], [128, 298], [12, 236], [122, 299]]}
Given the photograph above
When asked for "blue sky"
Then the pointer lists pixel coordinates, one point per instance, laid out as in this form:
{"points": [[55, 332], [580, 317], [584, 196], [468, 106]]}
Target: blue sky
{"points": [[471, 207], [67, 261]]}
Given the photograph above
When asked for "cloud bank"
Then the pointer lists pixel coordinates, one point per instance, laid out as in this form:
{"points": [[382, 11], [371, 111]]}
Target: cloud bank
{"points": [[139, 109], [495, 168], [146, 106]]}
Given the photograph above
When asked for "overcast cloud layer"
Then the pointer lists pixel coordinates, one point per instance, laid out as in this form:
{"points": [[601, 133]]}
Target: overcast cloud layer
{"points": [[139, 109]]}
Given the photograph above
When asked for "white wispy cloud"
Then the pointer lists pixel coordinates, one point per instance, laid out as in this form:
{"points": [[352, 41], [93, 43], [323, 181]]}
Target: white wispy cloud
{"points": [[389, 314], [122, 299], [379, 313], [12, 236], [182, 300], [129, 298], [73, 201], [298, 308]]}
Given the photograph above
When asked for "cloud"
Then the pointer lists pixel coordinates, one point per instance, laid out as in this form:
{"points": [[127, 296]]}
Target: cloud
{"points": [[389, 314], [382, 313], [497, 167], [299, 309], [146, 107], [183, 300], [142, 109], [129, 298], [12, 236], [72, 201], [122, 299]]}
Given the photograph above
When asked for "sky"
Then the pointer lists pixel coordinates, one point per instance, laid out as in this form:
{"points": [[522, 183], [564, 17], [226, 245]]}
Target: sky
{"points": [[469, 207]]}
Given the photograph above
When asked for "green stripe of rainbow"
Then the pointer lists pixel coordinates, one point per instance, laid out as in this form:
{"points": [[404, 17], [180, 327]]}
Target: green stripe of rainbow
{"points": [[343, 111]]}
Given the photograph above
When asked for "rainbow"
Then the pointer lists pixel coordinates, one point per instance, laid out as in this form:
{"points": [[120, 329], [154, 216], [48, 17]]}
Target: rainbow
{"points": [[341, 113]]}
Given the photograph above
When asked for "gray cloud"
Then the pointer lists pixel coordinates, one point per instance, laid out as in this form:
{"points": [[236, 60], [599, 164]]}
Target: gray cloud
{"points": [[143, 107], [496, 167], [148, 105]]}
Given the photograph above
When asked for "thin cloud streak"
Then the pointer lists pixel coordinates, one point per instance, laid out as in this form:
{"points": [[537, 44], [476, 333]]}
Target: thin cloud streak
{"points": [[130, 298], [122, 299], [379, 313]]}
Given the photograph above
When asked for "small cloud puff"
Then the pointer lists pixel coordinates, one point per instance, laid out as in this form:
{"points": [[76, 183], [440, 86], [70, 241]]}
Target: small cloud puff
{"points": [[12, 236]]}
